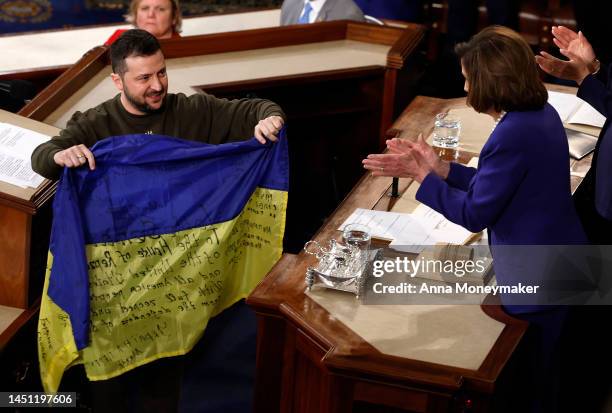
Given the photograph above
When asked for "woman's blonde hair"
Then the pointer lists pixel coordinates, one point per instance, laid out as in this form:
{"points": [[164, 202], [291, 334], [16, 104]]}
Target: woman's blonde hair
{"points": [[130, 17]]}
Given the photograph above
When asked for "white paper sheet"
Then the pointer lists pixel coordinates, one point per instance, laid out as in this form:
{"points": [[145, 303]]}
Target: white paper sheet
{"points": [[387, 225], [409, 232], [473, 163], [444, 230], [16, 147], [564, 103], [587, 115], [574, 110]]}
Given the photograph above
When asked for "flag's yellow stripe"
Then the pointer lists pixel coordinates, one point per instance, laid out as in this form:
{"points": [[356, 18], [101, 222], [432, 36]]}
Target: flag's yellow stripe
{"points": [[152, 297]]}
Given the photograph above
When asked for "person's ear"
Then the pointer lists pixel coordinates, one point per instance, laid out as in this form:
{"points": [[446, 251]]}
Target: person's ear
{"points": [[117, 81]]}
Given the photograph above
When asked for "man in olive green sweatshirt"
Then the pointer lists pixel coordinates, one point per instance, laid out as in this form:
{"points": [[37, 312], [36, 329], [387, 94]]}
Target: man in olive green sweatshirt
{"points": [[144, 106]]}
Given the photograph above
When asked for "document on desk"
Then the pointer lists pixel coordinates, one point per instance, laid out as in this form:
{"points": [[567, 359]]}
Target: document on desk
{"points": [[409, 232], [574, 110], [16, 147], [444, 230]]}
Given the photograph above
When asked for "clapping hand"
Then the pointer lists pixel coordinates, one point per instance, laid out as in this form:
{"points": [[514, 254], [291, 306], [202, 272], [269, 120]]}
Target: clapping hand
{"points": [[575, 46], [575, 43], [425, 152], [407, 160]]}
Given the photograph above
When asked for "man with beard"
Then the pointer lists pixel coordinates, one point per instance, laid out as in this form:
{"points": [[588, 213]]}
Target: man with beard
{"points": [[144, 106]]}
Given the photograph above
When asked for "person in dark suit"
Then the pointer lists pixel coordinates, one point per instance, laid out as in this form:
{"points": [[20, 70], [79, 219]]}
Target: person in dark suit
{"points": [[310, 11], [593, 198], [522, 172], [406, 10]]}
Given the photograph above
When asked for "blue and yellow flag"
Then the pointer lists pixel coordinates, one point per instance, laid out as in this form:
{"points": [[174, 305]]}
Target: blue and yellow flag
{"points": [[161, 236]]}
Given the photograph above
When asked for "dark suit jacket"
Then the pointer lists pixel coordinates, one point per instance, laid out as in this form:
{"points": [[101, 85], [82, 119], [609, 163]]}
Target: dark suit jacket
{"points": [[594, 197], [331, 10]]}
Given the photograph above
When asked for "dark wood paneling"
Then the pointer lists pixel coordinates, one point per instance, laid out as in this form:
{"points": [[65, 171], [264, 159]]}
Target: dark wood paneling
{"points": [[18, 353], [391, 396], [14, 264], [41, 78], [24, 200], [253, 39], [271, 333], [66, 85], [23, 256]]}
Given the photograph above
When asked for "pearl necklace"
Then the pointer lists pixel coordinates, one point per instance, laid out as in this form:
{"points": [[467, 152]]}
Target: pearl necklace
{"points": [[499, 118]]}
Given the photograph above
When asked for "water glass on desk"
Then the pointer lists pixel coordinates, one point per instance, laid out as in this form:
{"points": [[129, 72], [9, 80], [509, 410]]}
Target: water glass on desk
{"points": [[447, 129], [359, 236]]}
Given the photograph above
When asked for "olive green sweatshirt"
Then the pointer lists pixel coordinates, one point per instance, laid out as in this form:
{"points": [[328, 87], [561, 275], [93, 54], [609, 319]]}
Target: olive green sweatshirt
{"points": [[199, 117]]}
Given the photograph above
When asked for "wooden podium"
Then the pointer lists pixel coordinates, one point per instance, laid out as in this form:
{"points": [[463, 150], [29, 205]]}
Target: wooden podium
{"points": [[308, 360], [25, 218], [25, 223]]}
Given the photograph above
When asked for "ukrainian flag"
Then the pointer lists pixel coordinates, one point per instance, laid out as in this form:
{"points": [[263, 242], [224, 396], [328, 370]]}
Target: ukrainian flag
{"points": [[163, 235]]}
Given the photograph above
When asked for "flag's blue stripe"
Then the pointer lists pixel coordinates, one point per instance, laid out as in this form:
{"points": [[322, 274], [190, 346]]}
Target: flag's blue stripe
{"points": [[149, 185]]}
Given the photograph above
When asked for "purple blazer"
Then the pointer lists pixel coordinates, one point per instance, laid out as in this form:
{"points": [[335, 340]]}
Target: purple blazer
{"points": [[521, 189], [521, 194]]}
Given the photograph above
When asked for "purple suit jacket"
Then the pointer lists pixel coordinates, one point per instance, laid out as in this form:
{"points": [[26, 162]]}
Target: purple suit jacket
{"points": [[521, 194], [521, 189]]}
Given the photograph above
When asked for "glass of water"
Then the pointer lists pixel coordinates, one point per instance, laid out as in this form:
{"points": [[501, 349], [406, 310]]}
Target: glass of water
{"points": [[359, 236], [447, 129]]}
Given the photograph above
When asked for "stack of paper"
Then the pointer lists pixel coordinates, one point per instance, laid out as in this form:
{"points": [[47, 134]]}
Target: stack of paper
{"points": [[479, 276], [16, 147], [573, 110], [410, 232]]}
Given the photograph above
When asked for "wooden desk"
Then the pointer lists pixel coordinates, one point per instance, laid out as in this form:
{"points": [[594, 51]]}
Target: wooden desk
{"points": [[309, 361], [25, 222]]}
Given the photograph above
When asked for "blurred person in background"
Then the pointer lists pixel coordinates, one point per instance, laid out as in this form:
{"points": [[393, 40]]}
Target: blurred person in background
{"points": [[161, 18], [311, 11]]}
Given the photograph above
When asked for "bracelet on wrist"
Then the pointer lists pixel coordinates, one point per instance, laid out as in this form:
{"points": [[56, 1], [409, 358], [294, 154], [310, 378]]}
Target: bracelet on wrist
{"points": [[595, 66]]}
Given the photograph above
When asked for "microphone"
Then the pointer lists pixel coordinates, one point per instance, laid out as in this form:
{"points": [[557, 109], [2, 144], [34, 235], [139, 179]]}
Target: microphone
{"points": [[395, 188]]}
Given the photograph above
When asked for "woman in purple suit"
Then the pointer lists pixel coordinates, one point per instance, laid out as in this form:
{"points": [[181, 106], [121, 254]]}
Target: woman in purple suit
{"points": [[523, 167], [520, 191]]}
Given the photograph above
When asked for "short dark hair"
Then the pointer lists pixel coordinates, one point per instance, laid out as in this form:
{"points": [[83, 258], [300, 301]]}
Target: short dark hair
{"points": [[501, 72], [133, 42]]}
